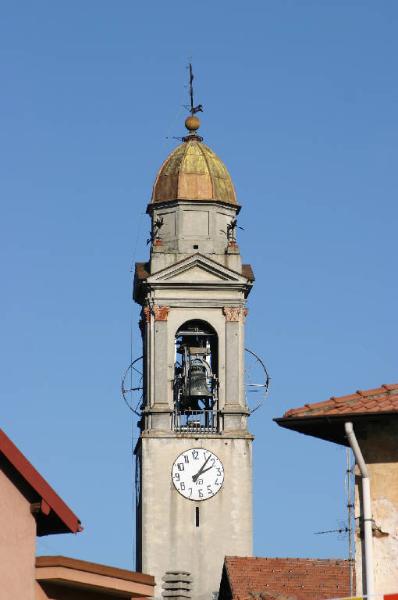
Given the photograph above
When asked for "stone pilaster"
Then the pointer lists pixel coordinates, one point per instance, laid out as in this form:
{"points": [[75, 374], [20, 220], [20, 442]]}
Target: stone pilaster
{"points": [[235, 411], [160, 408]]}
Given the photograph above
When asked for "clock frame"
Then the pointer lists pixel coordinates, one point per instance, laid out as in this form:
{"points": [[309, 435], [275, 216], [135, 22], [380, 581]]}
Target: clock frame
{"points": [[197, 474]]}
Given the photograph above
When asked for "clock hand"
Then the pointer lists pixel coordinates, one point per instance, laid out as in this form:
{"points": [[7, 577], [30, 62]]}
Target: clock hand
{"points": [[201, 470], [208, 469]]}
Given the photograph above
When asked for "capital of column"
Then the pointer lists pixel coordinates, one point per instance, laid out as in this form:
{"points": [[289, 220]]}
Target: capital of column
{"points": [[160, 313], [234, 313]]}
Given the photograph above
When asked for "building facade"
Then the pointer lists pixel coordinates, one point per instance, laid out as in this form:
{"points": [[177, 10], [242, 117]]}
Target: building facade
{"points": [[373, 415]]}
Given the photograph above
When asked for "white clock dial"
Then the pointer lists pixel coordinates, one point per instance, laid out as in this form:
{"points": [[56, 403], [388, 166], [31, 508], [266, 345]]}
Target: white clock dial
{"points": [[197, 474]]}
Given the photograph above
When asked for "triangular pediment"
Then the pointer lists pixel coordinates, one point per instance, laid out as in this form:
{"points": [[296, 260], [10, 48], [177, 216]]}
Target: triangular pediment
{"points": [[196, 269]]}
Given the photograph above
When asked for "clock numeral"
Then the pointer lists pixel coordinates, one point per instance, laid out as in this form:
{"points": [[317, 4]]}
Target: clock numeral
{"points": [[190, 479]]}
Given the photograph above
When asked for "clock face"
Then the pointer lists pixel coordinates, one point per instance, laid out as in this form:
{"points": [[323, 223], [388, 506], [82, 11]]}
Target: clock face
{"points": [[197, 474]]}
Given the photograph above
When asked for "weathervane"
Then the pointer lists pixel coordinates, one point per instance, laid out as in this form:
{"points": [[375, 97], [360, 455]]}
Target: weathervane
{"points": [[193, 109], [192, 123]]}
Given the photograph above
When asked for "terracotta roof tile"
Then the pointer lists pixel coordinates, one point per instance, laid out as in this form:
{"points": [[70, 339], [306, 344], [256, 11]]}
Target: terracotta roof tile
{"points": [[247, 272], [374, 401], [245, 578], [142, 270]]}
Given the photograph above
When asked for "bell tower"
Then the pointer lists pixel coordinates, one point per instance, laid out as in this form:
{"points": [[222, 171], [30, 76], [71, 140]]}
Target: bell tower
{"points": [[194, 465]]}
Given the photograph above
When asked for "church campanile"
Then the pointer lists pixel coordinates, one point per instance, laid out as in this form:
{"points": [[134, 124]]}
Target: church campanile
{"points": [[194, 462]]}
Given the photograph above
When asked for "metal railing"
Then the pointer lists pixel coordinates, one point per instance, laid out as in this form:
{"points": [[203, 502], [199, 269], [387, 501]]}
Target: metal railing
{"points": [[195, 421]]}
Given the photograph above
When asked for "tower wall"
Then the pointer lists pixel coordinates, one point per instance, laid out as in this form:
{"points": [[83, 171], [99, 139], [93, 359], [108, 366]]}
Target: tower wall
{"points": [[170, 538], [193, 227]]}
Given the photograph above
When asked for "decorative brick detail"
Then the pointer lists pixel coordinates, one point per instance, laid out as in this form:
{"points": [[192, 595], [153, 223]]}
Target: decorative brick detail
{"points": [[145, 318], [233, 313], [146, 314], [161, 313]]}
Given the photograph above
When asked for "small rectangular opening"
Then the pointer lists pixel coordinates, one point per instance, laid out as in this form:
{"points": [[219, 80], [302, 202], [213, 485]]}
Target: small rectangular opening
{"points": [[197, 516], [195, 246]]}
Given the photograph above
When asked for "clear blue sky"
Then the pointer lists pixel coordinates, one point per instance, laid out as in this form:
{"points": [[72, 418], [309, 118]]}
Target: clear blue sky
{"points": [[301, 103]]}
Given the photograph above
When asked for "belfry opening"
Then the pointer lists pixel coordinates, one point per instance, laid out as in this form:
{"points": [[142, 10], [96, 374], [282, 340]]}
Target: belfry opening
{"points": [[196, 377]]}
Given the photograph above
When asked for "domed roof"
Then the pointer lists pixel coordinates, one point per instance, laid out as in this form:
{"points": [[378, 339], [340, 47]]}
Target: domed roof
{"points": [[193, 172]]}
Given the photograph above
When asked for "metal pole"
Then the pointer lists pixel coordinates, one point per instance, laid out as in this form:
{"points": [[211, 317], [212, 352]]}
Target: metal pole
{"points": [[366, 508]]}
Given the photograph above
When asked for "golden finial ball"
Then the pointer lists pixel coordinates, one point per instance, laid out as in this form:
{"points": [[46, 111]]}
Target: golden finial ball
{"points": [[192, 123]]}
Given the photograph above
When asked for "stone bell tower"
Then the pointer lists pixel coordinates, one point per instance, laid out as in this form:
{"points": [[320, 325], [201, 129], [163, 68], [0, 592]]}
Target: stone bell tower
{"points": [[194, 477]]}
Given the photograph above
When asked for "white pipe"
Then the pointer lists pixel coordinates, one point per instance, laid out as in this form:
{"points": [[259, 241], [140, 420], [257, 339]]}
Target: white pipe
{"points": [[366, 508]]}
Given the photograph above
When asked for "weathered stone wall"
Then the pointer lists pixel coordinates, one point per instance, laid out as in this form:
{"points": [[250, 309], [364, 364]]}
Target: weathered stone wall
{"points": [[171, 541], [191, 227], [380, 450]]}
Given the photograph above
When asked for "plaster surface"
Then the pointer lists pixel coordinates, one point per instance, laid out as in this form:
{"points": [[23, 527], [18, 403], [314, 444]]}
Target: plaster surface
{"points": [[380, 450], [17, 543], [170, 539]]}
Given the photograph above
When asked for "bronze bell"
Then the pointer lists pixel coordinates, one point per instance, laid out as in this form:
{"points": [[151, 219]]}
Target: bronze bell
{"points": [[197, 382]]}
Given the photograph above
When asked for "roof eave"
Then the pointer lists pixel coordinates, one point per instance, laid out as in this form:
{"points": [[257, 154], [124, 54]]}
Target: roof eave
{"points": [[173, 202], [331, 427]]}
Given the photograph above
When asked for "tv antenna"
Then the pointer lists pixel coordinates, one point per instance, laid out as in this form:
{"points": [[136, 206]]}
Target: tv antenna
{"points": [[346, 529]]}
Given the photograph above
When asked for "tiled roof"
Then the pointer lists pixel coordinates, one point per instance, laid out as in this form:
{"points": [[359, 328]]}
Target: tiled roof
{"points": [[248, 578], [142, 270], [379, 400], [247, 272]]}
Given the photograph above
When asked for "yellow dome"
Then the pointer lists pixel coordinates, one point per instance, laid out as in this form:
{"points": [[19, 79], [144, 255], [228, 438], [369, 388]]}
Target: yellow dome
{"points": [[193, 172]]}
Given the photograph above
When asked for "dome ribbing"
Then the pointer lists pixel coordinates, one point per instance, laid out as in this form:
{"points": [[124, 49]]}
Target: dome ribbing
{"points": [[193, 172]]}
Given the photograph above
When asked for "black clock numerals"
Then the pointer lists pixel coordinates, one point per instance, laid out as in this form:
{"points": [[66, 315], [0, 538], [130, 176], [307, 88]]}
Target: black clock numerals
{"points": [[197, 474]]}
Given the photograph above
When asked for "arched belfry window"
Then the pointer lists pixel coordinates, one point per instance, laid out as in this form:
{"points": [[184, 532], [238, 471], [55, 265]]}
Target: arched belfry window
{"points": [[195, 377]]}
